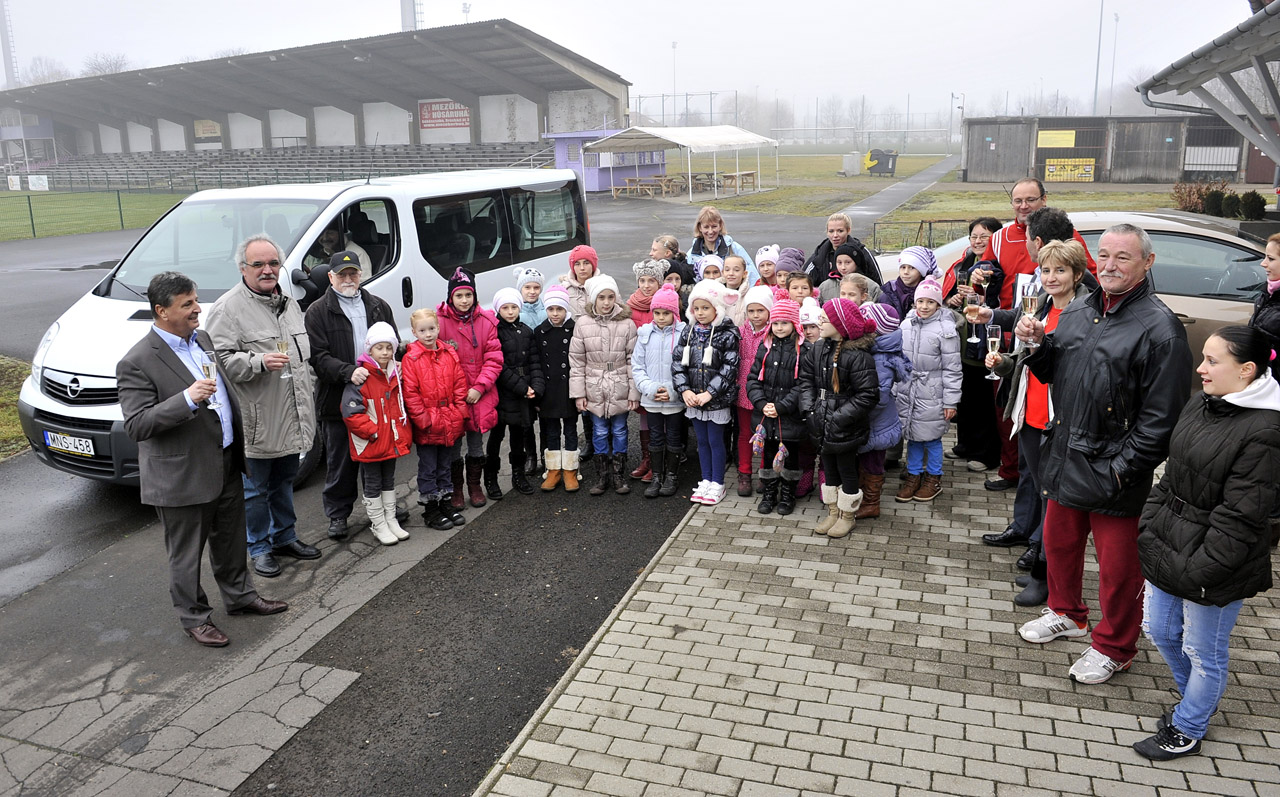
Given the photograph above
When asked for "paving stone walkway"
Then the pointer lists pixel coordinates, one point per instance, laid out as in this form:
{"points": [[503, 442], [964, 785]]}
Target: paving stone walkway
{"points": [[755, 658]]}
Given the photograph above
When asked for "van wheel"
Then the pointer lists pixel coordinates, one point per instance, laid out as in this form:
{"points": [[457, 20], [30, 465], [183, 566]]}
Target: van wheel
{"points": [[311, 459]]}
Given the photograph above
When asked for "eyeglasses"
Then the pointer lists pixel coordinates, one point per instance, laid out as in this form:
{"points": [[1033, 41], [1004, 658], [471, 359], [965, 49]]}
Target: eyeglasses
{"points": [[261, 263], [980, 238], [1017, 203]]}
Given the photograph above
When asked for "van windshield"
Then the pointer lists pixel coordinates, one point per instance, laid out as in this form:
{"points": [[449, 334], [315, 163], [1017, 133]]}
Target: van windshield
{"points": [[200, 238]]}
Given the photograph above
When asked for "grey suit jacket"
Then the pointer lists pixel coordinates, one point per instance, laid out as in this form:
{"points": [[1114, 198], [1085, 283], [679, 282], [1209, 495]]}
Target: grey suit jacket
{"points": [[179, 451]]}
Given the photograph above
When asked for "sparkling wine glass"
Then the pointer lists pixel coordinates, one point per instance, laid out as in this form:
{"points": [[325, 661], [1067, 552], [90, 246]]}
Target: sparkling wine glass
{"points": [[1030, 305], [282, 346], [972, 302], [993, 346], [210, 372]]}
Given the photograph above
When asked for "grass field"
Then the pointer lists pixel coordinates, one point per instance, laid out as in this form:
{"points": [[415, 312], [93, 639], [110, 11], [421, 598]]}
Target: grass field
{"points": [[948, 203], [808, 184], [70, 213], [12, 374]]}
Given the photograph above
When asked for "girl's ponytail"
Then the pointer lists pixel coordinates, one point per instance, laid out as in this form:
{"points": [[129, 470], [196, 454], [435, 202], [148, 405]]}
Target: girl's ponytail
{"points": [[835, 367]]}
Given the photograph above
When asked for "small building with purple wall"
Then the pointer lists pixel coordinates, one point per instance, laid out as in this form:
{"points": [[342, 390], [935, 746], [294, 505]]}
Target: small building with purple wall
{"points": [[602, 171]]}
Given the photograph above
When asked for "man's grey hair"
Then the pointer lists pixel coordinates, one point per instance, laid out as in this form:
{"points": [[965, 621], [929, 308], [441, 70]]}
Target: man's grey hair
{"points": [[258, 236], [165, 286], [1136, 231]]}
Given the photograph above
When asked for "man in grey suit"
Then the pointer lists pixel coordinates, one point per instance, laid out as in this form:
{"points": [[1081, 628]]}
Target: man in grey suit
{"points": [[190, 457]]}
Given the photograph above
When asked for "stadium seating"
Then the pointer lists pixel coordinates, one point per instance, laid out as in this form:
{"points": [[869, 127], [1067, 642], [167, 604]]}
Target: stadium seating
{"points": [[192, 171]]}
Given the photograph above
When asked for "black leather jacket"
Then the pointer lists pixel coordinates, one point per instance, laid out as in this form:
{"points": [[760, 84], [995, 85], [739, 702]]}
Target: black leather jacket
{"points": [[1119, 382]]}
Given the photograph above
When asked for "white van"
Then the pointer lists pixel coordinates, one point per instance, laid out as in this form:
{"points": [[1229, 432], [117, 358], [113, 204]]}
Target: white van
{"points": [[416, 230]]}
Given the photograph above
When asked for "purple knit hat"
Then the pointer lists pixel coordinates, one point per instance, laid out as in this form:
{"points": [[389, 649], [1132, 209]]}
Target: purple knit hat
{"points": [[790, 260], [847, 319], [884, 316]]}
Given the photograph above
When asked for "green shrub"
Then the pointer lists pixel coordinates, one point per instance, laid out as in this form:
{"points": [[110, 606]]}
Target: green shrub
{"points": [[1213, 202], [1231, 206], [1252, 206]]}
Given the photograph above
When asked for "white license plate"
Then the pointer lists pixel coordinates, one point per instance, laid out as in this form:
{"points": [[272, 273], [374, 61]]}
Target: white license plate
{"points": [[80, 446]]}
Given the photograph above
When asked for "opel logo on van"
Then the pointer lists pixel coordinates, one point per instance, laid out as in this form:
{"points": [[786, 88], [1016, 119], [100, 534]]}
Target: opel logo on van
{"points": [[73, 387]]}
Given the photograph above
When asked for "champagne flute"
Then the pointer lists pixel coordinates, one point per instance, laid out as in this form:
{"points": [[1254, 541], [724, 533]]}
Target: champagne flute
{"points": [[282, 346], [972, 302], [211, 372], [1030, 305], [993, 346]]}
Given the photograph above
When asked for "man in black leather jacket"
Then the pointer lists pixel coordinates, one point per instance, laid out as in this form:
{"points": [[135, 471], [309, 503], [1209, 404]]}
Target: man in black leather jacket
{"points": [[1119, 370]]}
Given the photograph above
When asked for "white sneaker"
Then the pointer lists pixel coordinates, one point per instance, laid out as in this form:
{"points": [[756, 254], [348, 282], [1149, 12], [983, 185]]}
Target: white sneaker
{"points": [[1095, 668], [700, 491], [976, 466], [714, 494], [1050, 626]]}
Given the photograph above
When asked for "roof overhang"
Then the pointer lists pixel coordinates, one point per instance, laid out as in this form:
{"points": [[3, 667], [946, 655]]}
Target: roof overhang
{"points": [[713, 138], [1252, 45]]}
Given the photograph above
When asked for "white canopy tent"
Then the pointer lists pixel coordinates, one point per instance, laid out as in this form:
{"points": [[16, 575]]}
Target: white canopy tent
{"points": [[714, 139]]}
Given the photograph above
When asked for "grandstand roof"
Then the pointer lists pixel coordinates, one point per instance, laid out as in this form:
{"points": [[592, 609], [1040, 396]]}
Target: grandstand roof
{"points": [[460, 62]]}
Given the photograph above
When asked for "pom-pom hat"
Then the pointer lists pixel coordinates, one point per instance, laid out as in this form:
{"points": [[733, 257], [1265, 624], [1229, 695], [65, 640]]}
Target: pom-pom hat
{"points": [[666, 299], [785, 310], [847, 319], [810, 312], [526, 275]]}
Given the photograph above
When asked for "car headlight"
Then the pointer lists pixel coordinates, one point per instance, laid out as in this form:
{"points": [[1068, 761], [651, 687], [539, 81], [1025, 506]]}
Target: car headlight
{"points": [[37, 361]]}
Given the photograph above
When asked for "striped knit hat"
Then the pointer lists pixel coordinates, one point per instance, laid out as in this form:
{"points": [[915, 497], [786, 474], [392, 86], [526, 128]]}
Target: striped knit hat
{"points": [[884, 316], [785, 310], [848, 321]]}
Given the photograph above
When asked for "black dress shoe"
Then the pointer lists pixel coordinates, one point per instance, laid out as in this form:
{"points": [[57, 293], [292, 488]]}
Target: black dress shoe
{"points": [[338, 528], [1036, 593], [1029, 557], [261, 605], [266, 565], [1009, 538], [998, 484], [297, 549], [208, 635]]}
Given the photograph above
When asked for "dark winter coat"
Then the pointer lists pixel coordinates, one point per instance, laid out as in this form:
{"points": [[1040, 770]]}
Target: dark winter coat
{"points": [[775, 379], [1118, 380], [822, 263], [333, 350], [840, 420], [553, 352], [1266, 319], [521, 370], [1205, 529], [899, 296], [892, 367], [715, 373]]}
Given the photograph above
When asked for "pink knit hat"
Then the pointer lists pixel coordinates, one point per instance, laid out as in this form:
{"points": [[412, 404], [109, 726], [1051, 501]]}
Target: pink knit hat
{"points": [[666, 299], [584, 252], [847, 319], [785, 310], [929, 289]]}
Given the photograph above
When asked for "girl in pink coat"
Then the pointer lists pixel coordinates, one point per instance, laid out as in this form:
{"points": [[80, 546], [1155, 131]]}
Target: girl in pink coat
{"points": [[752, 332], [473, 333]]}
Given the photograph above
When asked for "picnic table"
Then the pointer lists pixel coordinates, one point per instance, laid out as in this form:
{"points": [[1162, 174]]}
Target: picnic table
{"points": [[649, 186], [739, 180]]}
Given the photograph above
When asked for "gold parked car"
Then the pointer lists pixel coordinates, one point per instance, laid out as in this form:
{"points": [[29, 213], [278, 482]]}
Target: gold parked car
{"points": [[1205, 271]]}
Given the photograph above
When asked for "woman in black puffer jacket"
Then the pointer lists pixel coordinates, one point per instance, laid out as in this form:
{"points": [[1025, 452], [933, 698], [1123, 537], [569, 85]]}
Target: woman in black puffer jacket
{"points": [[841, 388], [1205, 532]]}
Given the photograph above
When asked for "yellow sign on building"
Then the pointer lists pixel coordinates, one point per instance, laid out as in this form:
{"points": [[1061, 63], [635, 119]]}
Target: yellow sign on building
{"points": [[1055, 138], [1068, 170]]}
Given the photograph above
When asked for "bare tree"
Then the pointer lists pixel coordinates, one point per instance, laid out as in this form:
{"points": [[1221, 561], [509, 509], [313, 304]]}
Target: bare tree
{"points": [[105, 64], [229, 52], [44, 70]]}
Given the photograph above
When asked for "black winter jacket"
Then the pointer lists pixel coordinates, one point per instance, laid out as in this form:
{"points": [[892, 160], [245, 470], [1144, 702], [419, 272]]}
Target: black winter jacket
{"points": [[553, 351], [521, 370], [822, 263], [840, 420], [1118, 380], [333, 353], [1205, 529], [717, 374], [1266, 319], [779, 386]]}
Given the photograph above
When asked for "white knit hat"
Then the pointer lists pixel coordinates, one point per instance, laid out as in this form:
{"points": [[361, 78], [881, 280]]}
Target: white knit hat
{"points": [[761, 295], [768, 254], [380, 332], [598, 283], [810, 312], [506, 296], [709, 260]]}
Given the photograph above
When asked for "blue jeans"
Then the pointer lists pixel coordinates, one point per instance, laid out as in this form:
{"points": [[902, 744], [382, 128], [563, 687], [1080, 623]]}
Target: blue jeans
{"points": [[268, 502], [605, 429], [711, 450], [1193, 639], [916, 450]]}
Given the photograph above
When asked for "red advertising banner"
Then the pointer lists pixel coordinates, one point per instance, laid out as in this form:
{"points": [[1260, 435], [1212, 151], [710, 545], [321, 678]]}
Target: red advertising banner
{"points": [[443, 114]]}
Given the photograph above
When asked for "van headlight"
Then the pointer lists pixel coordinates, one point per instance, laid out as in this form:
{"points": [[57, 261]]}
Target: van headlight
{"points": [[37, 361]]}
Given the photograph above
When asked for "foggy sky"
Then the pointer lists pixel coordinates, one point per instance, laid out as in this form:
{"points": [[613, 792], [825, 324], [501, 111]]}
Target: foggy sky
{"points": [[794, 51]]}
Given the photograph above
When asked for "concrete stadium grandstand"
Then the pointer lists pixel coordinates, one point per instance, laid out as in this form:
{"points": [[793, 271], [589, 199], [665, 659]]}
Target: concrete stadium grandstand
{"points": [[479, 95]]}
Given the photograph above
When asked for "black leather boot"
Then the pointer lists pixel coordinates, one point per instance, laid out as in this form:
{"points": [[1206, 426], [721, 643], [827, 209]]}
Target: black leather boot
{"points": [[657, 462], [519, 481], [491, 479], [770, 497], [669, 477], [787, 496]]}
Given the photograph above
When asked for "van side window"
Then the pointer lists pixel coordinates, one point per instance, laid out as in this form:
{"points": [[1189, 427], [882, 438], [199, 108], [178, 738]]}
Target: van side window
{"points": [[367, 228], [545, 220], [467, 230]]}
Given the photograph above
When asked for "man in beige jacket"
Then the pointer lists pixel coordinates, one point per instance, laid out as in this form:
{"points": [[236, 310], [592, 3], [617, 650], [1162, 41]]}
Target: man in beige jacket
{"points": [[250, 324]]}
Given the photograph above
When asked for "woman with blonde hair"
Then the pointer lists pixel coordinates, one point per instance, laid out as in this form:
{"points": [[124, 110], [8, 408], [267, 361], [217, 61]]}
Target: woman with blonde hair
{"points": [[712, 238]]}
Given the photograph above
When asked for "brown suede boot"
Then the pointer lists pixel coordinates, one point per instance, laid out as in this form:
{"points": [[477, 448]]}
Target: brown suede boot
{"points": [[456, 499], [475, 466], [872, 485], [929, 488], [910, 483]]}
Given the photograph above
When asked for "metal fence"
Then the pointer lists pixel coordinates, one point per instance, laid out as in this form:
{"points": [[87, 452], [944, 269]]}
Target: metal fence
{"points": [[891, 236], [42, 215]]}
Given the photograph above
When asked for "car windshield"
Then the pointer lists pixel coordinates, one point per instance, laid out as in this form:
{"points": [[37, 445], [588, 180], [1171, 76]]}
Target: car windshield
{"points": [[199, 238]]}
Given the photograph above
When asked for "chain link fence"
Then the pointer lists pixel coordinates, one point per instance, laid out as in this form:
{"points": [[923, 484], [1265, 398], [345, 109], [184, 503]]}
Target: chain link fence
{"points": [[43, 215]]}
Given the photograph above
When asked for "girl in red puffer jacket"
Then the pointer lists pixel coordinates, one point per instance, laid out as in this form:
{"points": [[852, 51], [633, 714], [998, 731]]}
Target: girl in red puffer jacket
{"points": [[435, 394], [378, 429]]}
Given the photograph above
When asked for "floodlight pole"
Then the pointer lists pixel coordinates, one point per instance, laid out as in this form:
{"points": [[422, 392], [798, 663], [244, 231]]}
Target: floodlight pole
{"points": [[1097, 63], [1111, 91]]}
